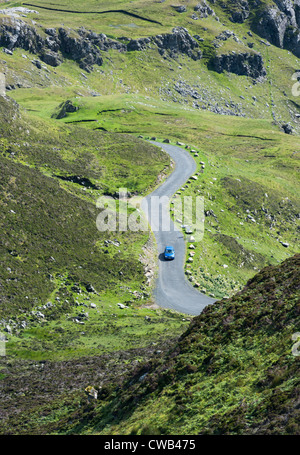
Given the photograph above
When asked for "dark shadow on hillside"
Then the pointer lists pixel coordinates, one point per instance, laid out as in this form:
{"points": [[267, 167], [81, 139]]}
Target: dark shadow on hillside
{"points": [[127, 13]]}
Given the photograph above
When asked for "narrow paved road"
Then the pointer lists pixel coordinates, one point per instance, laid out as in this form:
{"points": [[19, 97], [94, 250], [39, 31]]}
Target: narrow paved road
{"points": [[173, 290]]}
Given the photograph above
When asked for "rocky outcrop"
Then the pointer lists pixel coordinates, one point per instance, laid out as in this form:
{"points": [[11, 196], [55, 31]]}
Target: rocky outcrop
{"points": [[82, 46], [236, 10], [177, 42], [140, 44], [204, 10], [16, 33], [243, 64], [52, 49], [65, 108], [180, 8], [279, 23], [79, 48]]}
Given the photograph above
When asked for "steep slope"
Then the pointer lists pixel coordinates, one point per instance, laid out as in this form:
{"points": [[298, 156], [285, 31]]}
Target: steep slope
{"points": [[234, 371], [52, 38]]}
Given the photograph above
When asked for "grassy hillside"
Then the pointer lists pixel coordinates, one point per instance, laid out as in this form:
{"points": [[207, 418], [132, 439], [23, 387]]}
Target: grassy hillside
{"points": [[76, 304], [231, 372], [250, 173]]}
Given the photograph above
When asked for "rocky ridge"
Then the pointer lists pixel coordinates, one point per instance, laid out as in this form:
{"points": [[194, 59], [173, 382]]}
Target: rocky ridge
{"points": [[86, 48]]}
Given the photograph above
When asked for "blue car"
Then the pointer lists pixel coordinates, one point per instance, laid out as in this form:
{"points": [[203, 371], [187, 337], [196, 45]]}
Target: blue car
{"points": [[169, 252]]}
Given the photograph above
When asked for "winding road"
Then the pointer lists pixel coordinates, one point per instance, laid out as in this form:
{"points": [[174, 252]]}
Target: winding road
{"points": [[172, 289]]}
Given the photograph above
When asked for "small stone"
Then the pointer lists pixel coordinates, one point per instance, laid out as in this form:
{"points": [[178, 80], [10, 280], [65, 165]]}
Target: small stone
{"points": [[120, 305], [90, 288], [286, 245]]}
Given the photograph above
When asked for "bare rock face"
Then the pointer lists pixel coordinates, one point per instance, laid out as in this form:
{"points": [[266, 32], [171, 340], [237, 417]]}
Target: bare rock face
{"points": [[279, 23], [86, 47], [138, 44], [243, 64], [16, 33], [81, 47], [177, 42]]}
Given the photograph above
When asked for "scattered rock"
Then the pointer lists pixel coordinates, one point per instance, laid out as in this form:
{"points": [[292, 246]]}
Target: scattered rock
{"points": [[91, 393], [7, 51], [122, 306], [8, 329], [250, 217], [286, 245]]}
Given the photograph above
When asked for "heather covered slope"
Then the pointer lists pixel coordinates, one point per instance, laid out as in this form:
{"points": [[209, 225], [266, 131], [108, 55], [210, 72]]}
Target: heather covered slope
{"points": [[231, 372], [235, 370]]}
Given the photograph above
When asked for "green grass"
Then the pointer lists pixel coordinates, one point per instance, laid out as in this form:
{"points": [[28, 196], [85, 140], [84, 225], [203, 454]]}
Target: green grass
{"points": [[241, 158], [46, 215], [232, 372], [249, 166], [50, 243]]}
